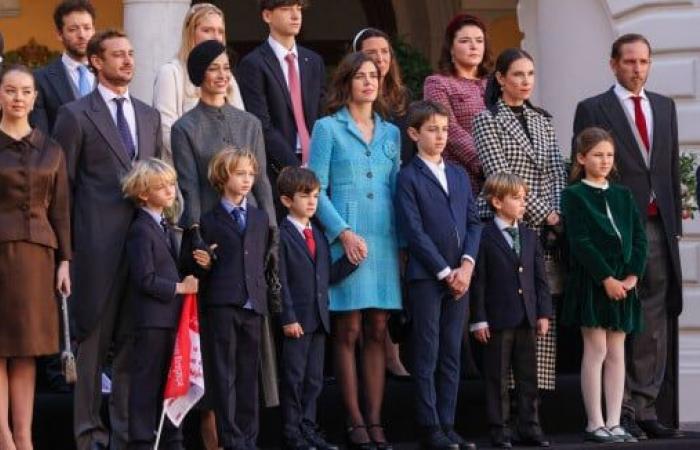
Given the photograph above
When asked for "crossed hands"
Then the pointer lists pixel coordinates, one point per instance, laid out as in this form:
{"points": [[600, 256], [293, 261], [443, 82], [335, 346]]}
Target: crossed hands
{"points": [[459, 279], [617, 289]]}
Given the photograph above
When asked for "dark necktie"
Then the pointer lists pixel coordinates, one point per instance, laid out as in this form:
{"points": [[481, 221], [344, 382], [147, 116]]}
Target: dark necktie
{"points": [[123, 128], [239, 216], [513, 232], [641, 121], [297, 106], [310, 242], [164, 225]]}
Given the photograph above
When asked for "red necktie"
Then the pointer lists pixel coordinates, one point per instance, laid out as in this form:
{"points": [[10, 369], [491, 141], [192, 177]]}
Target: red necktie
{"points": [[310, 242], [297, 106], [641, 121]]}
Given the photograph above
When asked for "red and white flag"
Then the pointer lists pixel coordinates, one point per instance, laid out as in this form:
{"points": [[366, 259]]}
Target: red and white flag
{"points": [[185, 385]]}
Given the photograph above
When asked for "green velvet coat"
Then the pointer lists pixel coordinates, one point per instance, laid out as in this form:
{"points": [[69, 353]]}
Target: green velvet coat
{"points": [[597, 252]]}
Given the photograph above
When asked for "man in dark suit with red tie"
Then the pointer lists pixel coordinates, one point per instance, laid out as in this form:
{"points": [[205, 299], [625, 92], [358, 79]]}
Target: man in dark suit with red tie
{"points": [[645, 130], [282, 84]]}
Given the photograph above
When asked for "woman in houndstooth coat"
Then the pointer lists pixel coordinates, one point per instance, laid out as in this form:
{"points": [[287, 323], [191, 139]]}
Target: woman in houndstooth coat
{"points": [[513, 136]]}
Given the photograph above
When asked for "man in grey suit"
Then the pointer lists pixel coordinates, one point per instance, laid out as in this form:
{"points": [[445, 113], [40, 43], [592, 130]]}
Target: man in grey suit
{"points": [[645, 130], [102, 134]]}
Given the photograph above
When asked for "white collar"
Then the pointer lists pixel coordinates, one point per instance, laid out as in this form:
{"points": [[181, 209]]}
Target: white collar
{"points": [[229, 205], [439, 165], [502, 224], [602, 186], [108, 95], [70, 63], [623, 93], [298, 225], [280, 51]]}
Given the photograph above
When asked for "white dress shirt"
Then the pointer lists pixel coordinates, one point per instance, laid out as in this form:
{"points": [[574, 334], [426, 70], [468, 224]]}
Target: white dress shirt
{"points": [[71, 66], [299, 226], [281, 53], [625, 98], [108, 96]]}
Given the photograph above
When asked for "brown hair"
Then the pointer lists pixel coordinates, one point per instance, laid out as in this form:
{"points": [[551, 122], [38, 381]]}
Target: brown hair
{"points": [[70, 6], [224, 163], [17, 68], [272, 4], [584, 143], [501, 184], [627, 39], [340, 89], [293, 180], [144, 175], [393, 90], [95, 46], [421, 111], [446, 65]]}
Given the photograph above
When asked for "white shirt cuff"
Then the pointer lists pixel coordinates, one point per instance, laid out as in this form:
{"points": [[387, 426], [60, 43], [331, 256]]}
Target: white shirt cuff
{"points": [[444, 273], [478, 326], [465, 256]]}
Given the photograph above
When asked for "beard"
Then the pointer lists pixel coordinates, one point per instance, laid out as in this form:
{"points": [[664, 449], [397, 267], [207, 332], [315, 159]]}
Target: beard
{"points": [[116, 78], [74, 51]]}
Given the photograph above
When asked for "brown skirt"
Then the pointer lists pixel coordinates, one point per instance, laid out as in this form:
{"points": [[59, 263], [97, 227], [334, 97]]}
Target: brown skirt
{"points": [[28, 306]]}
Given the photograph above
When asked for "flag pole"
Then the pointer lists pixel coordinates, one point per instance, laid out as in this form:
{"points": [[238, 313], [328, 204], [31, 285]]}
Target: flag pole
{"points": [[160, 428]]}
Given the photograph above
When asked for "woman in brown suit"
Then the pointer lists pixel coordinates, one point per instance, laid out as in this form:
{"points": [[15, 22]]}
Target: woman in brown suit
{"points": [[34, 252]]}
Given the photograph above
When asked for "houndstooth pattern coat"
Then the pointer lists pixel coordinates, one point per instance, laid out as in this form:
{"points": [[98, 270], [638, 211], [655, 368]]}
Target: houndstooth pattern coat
{"points": [[503, 146]]}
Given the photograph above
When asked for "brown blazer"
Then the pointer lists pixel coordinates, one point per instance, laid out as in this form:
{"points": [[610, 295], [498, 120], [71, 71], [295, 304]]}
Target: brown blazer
{"points": [[34, 198]]}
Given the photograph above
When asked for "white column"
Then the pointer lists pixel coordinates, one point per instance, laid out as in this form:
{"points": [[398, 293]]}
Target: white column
{"points": [[154, 28]]}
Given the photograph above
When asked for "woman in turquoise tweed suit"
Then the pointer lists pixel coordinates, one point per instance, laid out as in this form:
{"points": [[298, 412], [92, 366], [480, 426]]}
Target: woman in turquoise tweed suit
{"points": [[607, 253], [355, 154]]}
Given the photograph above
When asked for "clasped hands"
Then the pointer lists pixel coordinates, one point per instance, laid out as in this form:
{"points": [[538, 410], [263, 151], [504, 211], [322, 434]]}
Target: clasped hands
{"points": [[617, 289], [459, 279]]}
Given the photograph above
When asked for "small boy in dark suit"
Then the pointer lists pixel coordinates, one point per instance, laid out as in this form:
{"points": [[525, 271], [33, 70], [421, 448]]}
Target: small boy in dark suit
{"points": [[439, 222], [155, 292], [234, 296], [510, 305], [304, 275]]}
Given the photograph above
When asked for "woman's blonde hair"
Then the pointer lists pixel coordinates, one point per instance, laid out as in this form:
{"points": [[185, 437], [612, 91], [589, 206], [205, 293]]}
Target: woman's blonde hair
{"points": [[224, 163], [195, 15], [145, 175]]}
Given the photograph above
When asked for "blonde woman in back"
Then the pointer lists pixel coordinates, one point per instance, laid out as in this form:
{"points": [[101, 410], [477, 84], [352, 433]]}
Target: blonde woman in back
{"points": [[173, 92]]}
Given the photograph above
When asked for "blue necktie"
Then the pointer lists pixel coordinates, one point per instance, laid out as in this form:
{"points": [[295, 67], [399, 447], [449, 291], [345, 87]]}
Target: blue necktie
{"points": [[239, 217], [124, 131], [84, 87]]}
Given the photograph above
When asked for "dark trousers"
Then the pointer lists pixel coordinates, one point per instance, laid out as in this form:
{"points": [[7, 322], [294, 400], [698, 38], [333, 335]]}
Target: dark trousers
{"points": [[436, 339], [301, 383], [646, 351], [113, 335], [235, 359], [512, 348], [150, 361]]}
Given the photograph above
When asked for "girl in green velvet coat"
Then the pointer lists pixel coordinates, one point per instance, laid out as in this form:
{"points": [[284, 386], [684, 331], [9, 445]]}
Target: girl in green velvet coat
{"points": [[607, 253]]}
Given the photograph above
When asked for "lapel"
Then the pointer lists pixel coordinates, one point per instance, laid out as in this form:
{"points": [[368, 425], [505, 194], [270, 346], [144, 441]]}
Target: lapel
{"points": [[142, 123], [620, 125], [379, 126], [298, 239], [165, 238], [525, 242], [223, 216], [274, 65], [657, 116], [305, 77], [512, 125], [453, 187], [102, 119], [58, 78], [423, 169], [492, 230]]}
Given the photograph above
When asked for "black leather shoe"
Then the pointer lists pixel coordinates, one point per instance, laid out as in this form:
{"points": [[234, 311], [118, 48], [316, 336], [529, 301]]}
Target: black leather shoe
{"points": [[655, 430], [505, 443], [500, 438], [315, 437], [629, 424], [537, 440], [462, 443], [436, 439], [353, 445], [298, 445]]}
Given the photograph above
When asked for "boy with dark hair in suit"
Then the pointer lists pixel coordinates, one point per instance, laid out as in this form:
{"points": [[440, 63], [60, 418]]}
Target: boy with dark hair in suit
{"points": [[304, 275], [282, 84], [234, 296], [438, 219], [156, 288], [510, 305]]}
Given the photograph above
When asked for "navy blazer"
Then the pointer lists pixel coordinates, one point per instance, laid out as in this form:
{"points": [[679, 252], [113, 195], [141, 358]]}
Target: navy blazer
{"points": [[54, 89], [438, 228], [304, 280], [504, 283], [153, 273], [238, 272], [265, 94]]}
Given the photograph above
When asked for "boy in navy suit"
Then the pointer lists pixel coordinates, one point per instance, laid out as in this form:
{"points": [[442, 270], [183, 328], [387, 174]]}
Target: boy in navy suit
{"points": [[439, 223], [156, 288], [304, 275], [234, 297], [510, 304]]}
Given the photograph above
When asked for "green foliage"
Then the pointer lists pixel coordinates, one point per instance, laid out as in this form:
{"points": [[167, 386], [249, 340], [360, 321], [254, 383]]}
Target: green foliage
{"points": [[687, 163], [32, 55], [415, 67]]}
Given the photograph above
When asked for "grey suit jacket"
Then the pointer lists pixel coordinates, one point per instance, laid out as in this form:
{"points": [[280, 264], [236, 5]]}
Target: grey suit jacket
{"points": [[54, 89], [96, 161]]}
